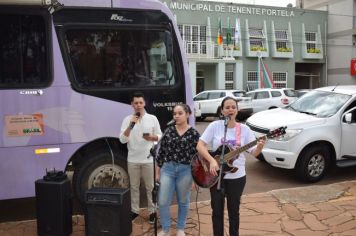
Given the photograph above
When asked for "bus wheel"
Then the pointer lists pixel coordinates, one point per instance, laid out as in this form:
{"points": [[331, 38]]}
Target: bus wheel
{"points": [[98, 171]]}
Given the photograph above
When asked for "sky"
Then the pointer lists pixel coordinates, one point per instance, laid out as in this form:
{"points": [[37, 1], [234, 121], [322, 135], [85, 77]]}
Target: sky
{"points": [[279, 3]]}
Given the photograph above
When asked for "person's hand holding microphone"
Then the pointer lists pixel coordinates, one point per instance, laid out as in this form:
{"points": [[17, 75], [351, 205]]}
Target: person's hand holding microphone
{"points": [[134, 120]]}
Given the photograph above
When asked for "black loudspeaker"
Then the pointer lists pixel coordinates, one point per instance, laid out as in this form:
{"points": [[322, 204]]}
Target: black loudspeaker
{"points": [[54, 207], [108, 212]]}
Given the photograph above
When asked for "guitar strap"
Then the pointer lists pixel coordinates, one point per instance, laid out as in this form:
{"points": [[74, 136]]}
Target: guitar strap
{"points": [[238, 134]]}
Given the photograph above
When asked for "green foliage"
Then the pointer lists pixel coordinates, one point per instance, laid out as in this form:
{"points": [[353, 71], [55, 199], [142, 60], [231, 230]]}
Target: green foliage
{"points": [[284, 49], [258, 48], [236, 48], [313, 50]]}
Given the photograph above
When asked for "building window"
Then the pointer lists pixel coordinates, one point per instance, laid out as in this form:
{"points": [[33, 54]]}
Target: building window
{"points": [[281, 39], [202, 39], [251, 80], [180, 28], [194, 38], [229, 80], [280, 79], [256, 39], [310, 38]]}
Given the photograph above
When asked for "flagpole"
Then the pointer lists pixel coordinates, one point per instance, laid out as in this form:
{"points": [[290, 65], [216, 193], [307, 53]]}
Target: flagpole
{"points": [[259, 84], [208, 40]]}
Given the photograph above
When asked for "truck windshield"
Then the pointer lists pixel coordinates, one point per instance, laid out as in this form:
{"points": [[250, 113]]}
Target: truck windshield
{"points": [[320, 103], [114, 58]]}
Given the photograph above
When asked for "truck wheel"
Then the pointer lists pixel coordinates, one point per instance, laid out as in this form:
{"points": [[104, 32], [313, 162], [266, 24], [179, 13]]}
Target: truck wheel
{"points": [[218, 112], [313, 163], [260, 157], [201, 118], [98, 171]]}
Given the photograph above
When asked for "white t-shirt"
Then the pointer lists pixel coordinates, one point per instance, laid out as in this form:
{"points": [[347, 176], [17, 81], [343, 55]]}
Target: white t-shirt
{"points": [[138, 147], [213, 137]]}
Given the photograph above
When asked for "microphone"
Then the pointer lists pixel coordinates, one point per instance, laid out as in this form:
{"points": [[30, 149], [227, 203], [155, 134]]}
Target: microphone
{"points": [[172, 122], [132, 124], [226, 120]]}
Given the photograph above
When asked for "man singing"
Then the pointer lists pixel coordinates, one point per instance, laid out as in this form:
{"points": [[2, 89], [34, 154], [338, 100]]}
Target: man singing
{"points": [[139, 131]]}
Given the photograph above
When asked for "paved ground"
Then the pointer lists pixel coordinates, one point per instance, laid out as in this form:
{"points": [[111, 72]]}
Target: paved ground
{"points": [[328, 210]]}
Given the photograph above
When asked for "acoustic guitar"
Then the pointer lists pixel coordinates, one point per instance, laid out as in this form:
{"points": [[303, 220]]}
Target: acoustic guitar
{"points": [[200, 166]]}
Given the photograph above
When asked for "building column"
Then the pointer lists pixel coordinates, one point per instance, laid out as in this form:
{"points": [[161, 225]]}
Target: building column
{"points": [[193, 76], [220, 76], [238, 75]]}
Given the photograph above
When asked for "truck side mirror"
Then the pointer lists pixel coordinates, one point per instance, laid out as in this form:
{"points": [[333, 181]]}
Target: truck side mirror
{"points": [[348, 118]]}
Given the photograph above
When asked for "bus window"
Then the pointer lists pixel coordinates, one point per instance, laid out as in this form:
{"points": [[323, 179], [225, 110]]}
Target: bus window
{"points": [[23, 53], [119, 58]]}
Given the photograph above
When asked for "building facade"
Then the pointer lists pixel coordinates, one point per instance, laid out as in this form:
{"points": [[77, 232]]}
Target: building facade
{"points": [[341, 44], [223, 42]]}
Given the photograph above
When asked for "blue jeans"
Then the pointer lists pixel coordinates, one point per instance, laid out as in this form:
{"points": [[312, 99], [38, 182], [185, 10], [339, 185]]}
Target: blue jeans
{"points": [[177, 178]]}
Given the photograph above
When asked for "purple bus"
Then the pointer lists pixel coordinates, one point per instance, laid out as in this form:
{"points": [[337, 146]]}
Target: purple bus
{"points": [[67, 71]]}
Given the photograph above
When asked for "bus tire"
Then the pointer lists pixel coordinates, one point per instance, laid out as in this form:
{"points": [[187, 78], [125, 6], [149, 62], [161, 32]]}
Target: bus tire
{"points": [[97, 171]]}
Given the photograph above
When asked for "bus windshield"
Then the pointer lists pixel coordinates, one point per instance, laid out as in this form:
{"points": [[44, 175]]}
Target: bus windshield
{"points": [[119, 58]]}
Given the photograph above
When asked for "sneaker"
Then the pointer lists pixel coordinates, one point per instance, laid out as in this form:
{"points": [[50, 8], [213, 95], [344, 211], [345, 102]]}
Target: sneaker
{"points": [[152, 218], [164, 233], [133, 215], [180, 232]]}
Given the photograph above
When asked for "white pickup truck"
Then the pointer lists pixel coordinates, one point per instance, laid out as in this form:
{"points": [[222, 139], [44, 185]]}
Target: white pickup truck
{"points": [[207, 103], [321, 127]]}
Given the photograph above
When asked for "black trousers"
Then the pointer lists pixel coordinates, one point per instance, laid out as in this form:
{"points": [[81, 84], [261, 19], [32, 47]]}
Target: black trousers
{"points": [[231, 189]]}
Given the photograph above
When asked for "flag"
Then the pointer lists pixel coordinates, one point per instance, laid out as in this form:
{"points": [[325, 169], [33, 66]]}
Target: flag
{"points": [[237, 32], [228, 33], [264, 78], [219, 38]]}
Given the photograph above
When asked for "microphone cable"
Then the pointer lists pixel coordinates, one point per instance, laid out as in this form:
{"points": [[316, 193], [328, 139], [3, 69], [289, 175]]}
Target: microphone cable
{"points": [[112, 158], [196, 207]]}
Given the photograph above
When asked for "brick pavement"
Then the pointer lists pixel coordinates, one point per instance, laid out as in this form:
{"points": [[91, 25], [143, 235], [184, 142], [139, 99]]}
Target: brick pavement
{"points": [[328, 210]]}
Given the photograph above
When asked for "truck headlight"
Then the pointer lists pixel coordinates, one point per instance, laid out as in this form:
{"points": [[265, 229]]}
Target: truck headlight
{"points": [[290, 133]]}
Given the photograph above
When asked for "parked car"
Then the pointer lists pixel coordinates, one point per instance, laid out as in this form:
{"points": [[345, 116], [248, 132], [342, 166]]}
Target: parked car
{"points": [[208, 103], [197, 111], [269, 98], [321, 127], [301, 92]]}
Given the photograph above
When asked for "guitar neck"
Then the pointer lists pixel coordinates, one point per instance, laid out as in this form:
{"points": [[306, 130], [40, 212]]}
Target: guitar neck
{"points": [[236, 153]]}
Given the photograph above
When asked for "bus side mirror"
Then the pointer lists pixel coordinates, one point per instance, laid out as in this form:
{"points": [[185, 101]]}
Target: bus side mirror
{"points": [[169, 46], [348, 118]]}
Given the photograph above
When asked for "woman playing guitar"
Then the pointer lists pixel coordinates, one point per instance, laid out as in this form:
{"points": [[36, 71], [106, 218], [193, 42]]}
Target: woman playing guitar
{"points": [[234, 182]]}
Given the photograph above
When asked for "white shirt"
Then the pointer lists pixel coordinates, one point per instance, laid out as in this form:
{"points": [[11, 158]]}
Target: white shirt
{"points": [[213, 137], [138, 147]]}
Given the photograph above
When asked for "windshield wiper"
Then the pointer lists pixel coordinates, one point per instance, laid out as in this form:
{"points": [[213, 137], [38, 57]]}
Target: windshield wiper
{"points": [[308, 113], [292, 108]]}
